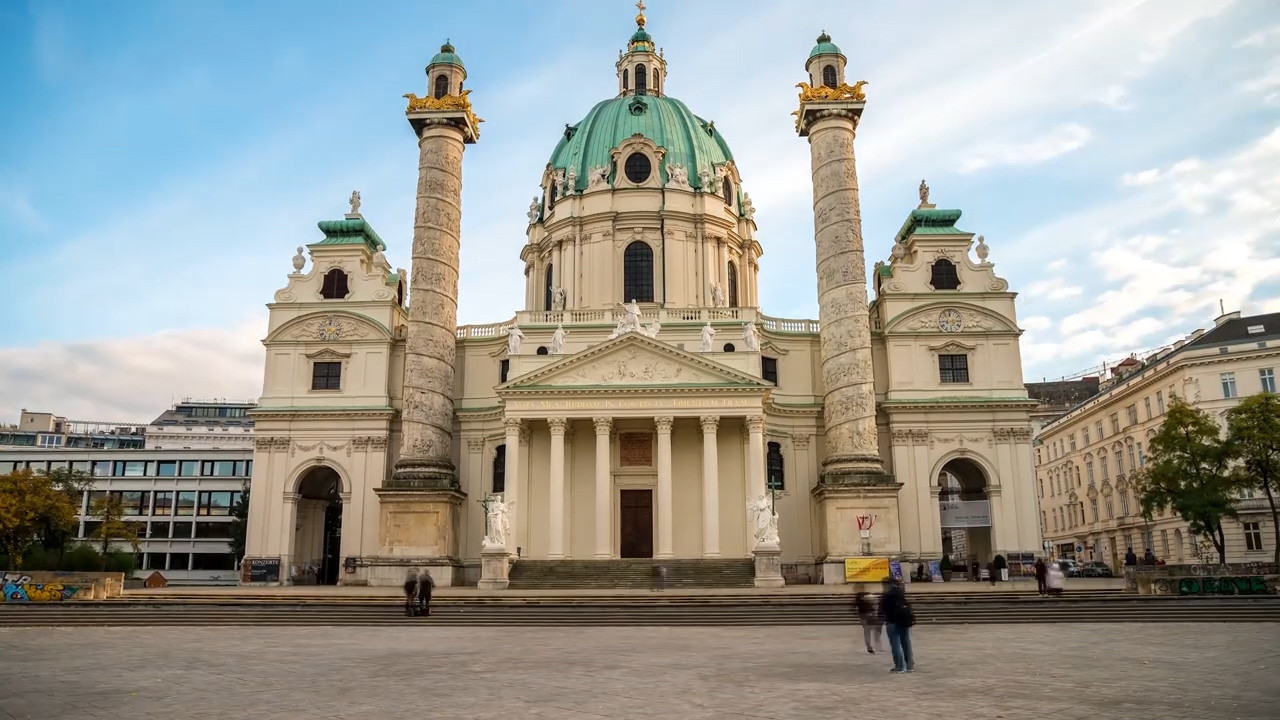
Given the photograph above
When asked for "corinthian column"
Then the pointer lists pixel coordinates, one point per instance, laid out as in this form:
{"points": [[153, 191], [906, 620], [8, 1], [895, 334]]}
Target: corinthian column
{"points": [[444, 126], [829, 119]]}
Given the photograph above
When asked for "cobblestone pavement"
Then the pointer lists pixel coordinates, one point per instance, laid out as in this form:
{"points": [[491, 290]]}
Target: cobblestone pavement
{"points": [[1005, 671]]}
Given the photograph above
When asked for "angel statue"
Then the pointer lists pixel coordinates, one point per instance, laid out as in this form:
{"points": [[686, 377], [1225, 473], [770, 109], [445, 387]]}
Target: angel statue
{"points": [[717, 295], [557, 298], [355, 202], [535, 209], [514, 336], [557, 340], [764, 521], [750, 339], [708, 336], [924, 194], [498, 523]]}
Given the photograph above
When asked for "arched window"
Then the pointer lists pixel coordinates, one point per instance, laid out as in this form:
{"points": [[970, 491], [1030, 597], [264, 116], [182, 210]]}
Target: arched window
{"points": [[944, 276], [543, 350], [829, 75], [626, 80], [500, 469], [775, 477], [400, 293], [655, 82], [335, 285], [727, 189], [442, 86], [731, 279], [549, 291], [642, 80], [728, 347], [551, 195], [637, 272]]}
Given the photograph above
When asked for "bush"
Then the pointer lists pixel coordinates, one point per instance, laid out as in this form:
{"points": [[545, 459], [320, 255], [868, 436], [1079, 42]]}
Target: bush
{"points": [[78, 557], [1000, 563]]}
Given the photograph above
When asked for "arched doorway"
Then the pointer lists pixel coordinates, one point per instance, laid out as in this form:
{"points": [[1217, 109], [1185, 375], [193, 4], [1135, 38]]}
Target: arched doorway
{"points": [[965, 514], [318, 535]]}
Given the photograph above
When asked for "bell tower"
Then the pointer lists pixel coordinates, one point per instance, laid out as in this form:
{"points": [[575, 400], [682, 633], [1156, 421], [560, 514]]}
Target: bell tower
{"points": [[641, 70]]}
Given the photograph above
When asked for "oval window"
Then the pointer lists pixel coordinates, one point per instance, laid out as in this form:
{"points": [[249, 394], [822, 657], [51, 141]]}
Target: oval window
{"points": [[638, 167]]}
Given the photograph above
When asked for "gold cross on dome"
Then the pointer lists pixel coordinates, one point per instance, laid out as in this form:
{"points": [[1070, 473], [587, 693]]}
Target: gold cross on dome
{"points": [[640, 5]]}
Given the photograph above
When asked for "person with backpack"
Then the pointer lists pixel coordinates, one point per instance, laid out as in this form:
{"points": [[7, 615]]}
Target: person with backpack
{"points": [[410, 592], [425, 586], [872, 627], [898, 618]]}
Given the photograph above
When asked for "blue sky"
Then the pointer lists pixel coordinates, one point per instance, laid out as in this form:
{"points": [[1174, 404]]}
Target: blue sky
{"points": [[159, 161]]}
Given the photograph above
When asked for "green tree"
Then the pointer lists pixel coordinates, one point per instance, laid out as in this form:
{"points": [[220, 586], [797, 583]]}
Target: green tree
{"points": [[1253, 428], [30, 505], [1189, 471], [112, 527], [240, 524], [55, 534]]}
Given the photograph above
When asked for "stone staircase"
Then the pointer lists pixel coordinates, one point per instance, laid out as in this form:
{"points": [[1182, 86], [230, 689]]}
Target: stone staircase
{"points": [[608, 574]]}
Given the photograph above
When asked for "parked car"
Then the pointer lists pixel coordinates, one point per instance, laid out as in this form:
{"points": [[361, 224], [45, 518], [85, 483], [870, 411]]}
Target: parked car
{"points": [[1096, 569], [1069, 567]]}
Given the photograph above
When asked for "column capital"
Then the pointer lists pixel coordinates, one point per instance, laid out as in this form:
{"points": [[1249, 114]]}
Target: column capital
{"points": [[799, 441], [558, 425], [664, 423], [755, 423], [603, 425], [709, 423], [475, 444], [512, 424], [292, 497]]}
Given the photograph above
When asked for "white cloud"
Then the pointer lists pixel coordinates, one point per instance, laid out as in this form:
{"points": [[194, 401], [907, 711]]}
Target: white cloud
{"points": [[1262, 37], [1145, 178], [1058, 141], [1116, 97], [1052, 289], [132, 379], [1036, 323]]}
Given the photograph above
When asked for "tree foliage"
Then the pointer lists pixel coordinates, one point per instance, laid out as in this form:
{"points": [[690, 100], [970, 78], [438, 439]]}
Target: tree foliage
{"points": [[1190, 472], [1253, 430], [240, 524], [32, 507], [111, 525]]}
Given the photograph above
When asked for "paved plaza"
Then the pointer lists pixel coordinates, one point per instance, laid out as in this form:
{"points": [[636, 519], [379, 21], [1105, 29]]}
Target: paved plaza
{"points": [[1009, 671]]}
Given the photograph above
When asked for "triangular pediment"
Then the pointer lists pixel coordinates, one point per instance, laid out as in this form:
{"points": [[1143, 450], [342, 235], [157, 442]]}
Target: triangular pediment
{"points": [[633, 360]]}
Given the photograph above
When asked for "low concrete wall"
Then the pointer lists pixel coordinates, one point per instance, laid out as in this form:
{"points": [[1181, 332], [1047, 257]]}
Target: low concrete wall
{"points": [[55, 586], [1228, 579]]}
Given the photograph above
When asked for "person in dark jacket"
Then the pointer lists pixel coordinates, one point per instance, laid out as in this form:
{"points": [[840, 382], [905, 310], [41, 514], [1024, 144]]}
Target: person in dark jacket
{"points": [[991, 572], [1042, 572], [1130, 558], [1149, 558], [897, 616], [976, 571], [410, 592], [425, 586]]}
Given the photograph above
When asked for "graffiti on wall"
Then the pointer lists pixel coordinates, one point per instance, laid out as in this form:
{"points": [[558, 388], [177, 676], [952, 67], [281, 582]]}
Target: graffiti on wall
{"points": [[18, 587], [1222, 585]]}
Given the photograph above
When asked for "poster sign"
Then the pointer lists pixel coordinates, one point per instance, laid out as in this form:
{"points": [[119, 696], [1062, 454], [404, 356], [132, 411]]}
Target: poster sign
{"points": [[895, 569], [261, 570], [935, 571], [964, 513], [864, 569]]}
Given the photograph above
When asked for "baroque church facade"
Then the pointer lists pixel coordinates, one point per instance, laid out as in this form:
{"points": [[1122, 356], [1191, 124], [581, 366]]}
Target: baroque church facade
{"points": [[640, 404]]}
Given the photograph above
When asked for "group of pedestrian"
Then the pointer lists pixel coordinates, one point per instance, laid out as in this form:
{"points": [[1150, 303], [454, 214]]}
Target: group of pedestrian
{"points": [[417, 593], [892, 616], [1049, 578]]}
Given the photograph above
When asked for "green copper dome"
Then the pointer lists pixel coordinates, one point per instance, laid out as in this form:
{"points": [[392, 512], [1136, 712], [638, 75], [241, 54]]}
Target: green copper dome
{"points": [[689, 140], [446, 56], [824, 47]]}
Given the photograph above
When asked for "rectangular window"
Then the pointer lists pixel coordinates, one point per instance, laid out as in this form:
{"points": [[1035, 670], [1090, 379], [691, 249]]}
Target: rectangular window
{"points": [[1146, 403], [49, 441], [1228, 384], [769, 369], [101, 468], [1098, 426], [1072, 439], [1085, 435], [1133, 463], [167, 468], [1124, 506], [1111, 511], [224, 468], [186, 503], [504, 367], [179, 561], [1164, 543], [1267, 377], [1132, 411], [1160, 402], [1119, 464], [1142, 459], [90, 527], [1093, 505], [1115, 423], [159, 530], [189, 468], [213, 561], [248, 468], [182, 530], [80, 466], [953, 368], [1252, 536], [215, 503], [775, 476], [1089, 471], [135, 502], [500, 469], [135, 468], [163, 503], [326, 376], [213, 530]]}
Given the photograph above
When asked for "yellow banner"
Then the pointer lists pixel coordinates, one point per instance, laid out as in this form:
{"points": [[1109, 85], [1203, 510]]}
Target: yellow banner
{"points": [[866, 569]]}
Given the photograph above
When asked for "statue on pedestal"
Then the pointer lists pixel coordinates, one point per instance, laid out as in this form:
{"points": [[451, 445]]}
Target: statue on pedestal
{"points": [[708, 336], [514, 336], [717, 295], [557, 299], [764, 521], [355, 202], [497, 522], [557, 340], [750, 340]]}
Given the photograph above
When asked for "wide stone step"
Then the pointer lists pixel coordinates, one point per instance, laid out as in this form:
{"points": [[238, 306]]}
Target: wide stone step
{"points": [[631, 573]]}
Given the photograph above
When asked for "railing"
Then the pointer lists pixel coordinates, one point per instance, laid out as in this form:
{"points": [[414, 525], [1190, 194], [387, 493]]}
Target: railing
{"points": [[665, 316], [786, 325]]}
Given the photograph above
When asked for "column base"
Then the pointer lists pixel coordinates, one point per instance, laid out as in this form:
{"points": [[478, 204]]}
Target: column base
{"points": [[768, 566], [423, 474], [495, 565], [858, 517], [856, 478], [419, 526]]}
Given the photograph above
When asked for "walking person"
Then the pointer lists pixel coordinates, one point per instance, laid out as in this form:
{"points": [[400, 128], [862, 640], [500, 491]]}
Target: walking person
{"points": [[898, 617], [425, 586], [872, 627], [991, 572], [1042, 573], [410, 593], [1054, 580], [660, 577]]}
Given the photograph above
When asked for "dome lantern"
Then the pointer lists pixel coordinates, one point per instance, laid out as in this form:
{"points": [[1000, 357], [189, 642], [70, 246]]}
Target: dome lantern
{"points": [[445, 72], [641, 69], [826, 63]]}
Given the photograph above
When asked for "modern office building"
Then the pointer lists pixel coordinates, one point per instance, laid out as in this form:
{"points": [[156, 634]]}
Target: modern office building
{"points": [[178, 478]]}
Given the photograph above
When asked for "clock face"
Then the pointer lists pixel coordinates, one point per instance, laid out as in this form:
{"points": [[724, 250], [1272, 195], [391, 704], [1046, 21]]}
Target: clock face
{"points": [[949, 321], [329, 329]]}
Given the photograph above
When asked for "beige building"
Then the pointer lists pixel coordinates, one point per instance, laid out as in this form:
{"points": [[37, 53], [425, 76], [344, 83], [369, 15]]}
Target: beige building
{"points": [[1085, 458], [641, 398]]}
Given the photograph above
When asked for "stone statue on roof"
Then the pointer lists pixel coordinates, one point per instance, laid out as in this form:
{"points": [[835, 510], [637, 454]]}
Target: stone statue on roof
{"points": [[924, 194], [354, 202]]}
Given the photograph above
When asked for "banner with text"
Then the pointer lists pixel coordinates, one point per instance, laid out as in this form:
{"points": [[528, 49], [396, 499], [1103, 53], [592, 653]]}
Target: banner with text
{"points": [[965, 513], [866, 569]]}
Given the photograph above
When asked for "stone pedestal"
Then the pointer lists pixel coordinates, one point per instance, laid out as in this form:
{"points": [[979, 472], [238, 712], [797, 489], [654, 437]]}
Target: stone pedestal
{"points": [[417, 529], [768, 565], [495, 565], [856, 520]]}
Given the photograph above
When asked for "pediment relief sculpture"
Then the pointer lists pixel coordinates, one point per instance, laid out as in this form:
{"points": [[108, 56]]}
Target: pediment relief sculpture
{"points": [[329, 327], [632, 360], [951, 319]]}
